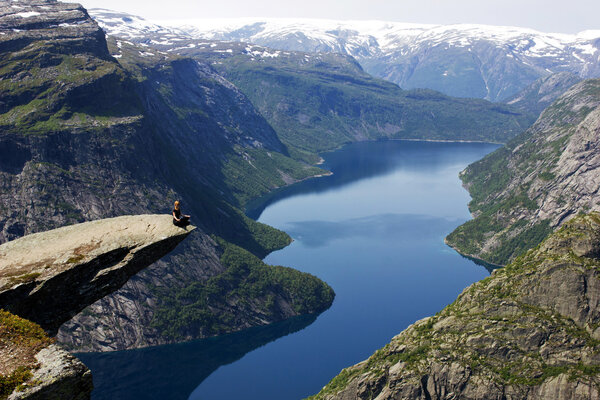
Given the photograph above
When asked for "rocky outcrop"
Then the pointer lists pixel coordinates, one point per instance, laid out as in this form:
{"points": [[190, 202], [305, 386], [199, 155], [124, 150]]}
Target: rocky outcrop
{"points": [[529, 331], [48, 277], [537, 182], [59, 376]]}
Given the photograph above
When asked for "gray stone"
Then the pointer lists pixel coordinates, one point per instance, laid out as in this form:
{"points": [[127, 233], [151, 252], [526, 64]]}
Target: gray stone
{"points": [[59, 377], [49, 277]]}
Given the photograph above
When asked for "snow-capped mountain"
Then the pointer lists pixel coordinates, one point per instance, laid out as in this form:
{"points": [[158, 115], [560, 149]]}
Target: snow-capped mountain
{"points": [[490, 62]]}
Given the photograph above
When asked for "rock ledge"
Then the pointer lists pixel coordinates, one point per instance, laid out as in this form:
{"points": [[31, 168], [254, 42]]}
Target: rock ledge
{"points": [[49, 277]]}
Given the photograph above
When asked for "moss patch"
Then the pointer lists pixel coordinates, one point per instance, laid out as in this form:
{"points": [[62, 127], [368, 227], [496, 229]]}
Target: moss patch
{"points": [[20, 340]]}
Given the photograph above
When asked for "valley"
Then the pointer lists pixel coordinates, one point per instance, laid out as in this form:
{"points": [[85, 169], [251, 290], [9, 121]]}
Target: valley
{"points": [[340, 143]]}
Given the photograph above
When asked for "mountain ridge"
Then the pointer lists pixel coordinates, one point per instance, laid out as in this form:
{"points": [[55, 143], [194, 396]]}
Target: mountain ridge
{"points": [[319, 101], [460, 60]]}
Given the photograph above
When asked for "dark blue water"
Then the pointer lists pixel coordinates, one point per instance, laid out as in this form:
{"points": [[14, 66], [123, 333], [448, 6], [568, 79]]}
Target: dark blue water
{"points": [[374, 231]]}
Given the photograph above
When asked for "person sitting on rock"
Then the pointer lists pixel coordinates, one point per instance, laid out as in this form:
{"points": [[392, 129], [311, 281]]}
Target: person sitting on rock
{"points": [[178, 218]]}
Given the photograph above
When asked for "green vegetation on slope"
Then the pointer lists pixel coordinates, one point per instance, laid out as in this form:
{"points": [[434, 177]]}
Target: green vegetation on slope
{"points": [[316, 110], [318, 102], [509, 186], [217, 129], [20, 340], [253, 172], [51, 96], [196, 307]]}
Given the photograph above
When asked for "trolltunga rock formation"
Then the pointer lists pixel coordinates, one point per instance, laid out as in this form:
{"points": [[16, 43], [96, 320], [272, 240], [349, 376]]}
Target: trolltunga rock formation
{"points": [[48, 277]]}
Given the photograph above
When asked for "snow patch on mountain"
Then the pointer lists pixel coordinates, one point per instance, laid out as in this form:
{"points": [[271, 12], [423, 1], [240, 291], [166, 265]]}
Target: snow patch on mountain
{"points": [[466, 60]]}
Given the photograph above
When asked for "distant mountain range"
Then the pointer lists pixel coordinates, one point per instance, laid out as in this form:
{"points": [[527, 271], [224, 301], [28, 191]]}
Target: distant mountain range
{"points": [[490, 62], [320, 101]]}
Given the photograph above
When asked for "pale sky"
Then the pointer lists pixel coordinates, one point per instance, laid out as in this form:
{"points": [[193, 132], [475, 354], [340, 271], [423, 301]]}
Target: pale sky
{"points": [[564, 16]]}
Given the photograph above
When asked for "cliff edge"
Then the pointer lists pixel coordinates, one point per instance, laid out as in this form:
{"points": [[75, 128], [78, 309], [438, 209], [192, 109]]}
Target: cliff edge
{"points": [[48, 277]]}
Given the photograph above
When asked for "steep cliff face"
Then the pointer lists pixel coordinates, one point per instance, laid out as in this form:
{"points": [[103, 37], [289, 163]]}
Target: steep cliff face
{"points": [[85, 136], [212, 125], [529, 331], [537, 182]]}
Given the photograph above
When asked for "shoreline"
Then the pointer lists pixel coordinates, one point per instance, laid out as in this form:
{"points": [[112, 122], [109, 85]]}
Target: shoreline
{"points": [[407, 140], [448, 141], [477, 260], [486, 264]]}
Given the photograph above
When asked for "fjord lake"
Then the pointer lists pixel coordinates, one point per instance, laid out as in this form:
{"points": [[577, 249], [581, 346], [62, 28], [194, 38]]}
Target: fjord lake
{"points": [[374, 231]]}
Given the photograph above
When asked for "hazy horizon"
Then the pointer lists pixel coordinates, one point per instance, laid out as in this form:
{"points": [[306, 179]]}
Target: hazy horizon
{"points": [[551, 17]]}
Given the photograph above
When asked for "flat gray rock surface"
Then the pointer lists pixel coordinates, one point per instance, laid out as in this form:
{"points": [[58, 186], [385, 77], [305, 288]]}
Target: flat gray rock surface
{"points": [[48, 277]]}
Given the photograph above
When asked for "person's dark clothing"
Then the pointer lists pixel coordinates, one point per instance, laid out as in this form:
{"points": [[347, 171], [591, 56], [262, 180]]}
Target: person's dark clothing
{"points": [[183, 221]]}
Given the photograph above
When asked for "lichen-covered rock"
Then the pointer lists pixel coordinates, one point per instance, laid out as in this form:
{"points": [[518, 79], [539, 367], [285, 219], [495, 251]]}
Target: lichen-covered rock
{"points": [[48, 277], [529, 331], [60, 376]]}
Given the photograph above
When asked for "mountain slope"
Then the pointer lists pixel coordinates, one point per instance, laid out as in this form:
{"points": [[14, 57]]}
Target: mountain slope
{"points": [[490, 62], [537, 182], [529, 331], [84, 137], [317, 102], [541, 93]]}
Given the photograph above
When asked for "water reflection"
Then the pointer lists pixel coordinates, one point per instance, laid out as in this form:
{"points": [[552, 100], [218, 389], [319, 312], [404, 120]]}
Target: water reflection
{"points": [[360, 162], [172, 372], [321, 233]]}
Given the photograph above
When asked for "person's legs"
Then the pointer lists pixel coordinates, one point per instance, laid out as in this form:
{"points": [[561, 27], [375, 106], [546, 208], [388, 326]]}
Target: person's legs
{"points": [[183, 221]]}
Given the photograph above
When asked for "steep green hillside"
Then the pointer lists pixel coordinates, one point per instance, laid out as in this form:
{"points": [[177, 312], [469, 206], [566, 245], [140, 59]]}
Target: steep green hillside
{"points": [[317, 102], [200, 309], [529, 331], [85, 136], [538, 181]]}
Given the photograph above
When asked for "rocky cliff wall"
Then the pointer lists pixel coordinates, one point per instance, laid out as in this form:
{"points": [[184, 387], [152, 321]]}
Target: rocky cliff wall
{"points": [[540, 180], [86, 136], [48, 277]]}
